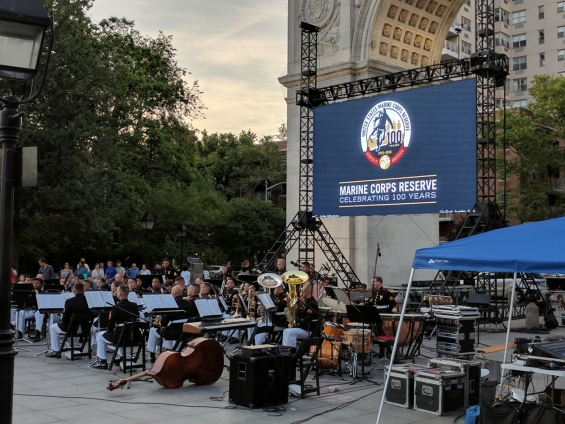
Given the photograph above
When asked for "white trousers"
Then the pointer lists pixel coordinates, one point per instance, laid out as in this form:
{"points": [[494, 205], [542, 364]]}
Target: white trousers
{"points": [[102, 344], [291, 335], [260, 338], [54, 332], [153, 341]]}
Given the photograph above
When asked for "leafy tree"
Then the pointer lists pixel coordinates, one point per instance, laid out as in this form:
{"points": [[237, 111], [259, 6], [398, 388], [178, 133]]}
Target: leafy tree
{"points": [[535, 154]]}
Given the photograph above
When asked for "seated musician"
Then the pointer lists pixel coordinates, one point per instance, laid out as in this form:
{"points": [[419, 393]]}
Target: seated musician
{"points": [[230, 296], [74, 305], [30, 313], [383, 299], [168, 286], [307, 312], [170, 327], [156, 286], [205, 289], [281, 267], [122, 312], [139, 286], [278, 319], [179, 281]]}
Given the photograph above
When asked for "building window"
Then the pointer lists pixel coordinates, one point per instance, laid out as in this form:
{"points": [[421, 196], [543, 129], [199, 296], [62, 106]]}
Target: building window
{"points": [[541, 12], [519, 41], [467, 2], [519, 17], [560, 6], [561, 74], [465, 47], [501, 39], [466, 24], [520, 103], [542, 36], [542, 59], [501, 15], [561, 32], [560, 54], [519, 84], [520, 62]]}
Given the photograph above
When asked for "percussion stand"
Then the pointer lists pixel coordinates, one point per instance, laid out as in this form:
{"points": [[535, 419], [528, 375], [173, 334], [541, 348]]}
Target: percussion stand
{"points": [[17, 337], [364, 315]]}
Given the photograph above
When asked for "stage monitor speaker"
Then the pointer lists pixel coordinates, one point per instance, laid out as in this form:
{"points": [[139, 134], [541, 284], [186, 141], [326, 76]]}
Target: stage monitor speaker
{"points": [[256, 381]]}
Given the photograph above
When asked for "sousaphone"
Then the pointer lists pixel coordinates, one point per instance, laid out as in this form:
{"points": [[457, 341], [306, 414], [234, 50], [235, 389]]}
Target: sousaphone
{"points": [[294, 279]]}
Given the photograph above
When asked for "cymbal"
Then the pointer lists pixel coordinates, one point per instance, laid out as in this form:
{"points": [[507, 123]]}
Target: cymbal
{"points": [[334, 304]]}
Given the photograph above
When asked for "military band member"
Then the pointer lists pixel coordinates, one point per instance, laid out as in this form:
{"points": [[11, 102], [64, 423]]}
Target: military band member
{"points": [[278, 319], [156, 286], [75, 305], [229, 294], [281, 267], [121, 313], [205, 289], [307, 313], [170, 327], [383, 299]]}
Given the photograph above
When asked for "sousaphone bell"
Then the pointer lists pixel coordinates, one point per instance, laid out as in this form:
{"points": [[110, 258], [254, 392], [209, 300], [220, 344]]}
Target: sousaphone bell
{"points": [[294, 279]]}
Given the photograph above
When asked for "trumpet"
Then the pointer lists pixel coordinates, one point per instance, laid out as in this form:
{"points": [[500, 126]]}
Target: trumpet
{"points": [[251, 301]]}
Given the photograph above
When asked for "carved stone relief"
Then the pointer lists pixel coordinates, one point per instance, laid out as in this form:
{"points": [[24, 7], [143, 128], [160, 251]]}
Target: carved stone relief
{"points": [[413, 19], [403, 15], [325, 15]]}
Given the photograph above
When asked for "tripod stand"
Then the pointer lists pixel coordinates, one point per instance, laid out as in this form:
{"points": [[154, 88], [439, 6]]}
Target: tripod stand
{"points": [[365, 315]]}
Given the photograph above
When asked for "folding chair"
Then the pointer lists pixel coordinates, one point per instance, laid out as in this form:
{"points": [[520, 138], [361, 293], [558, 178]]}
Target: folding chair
{"points": [[79, 327], [133, 335], [307, 360]]}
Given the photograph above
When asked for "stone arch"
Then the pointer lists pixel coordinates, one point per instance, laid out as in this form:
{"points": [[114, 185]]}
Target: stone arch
{"points": [[403, 33]]}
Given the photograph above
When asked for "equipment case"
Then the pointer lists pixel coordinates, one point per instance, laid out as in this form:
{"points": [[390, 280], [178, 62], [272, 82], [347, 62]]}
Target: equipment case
{"points": [[438, 391], [472, 370], [400, 389]]}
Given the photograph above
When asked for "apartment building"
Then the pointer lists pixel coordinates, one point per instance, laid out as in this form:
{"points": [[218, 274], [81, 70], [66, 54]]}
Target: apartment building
{"points": [[530, 32]]}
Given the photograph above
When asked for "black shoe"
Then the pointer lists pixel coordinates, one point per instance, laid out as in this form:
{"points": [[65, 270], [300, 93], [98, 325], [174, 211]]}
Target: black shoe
{"points": [[233, 340], [51, 354], [37, 337], [100, 364], [20, 335], [152, 358]]}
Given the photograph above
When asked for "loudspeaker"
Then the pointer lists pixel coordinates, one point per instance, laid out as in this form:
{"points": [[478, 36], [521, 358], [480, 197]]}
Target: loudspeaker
{"points": [[256, 381]]}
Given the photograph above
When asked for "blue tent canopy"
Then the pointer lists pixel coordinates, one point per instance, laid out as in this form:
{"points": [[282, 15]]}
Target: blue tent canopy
{"points": [[532, 247]]}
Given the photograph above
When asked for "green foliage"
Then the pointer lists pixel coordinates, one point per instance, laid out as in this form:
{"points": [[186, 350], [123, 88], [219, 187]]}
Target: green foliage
{"points": [[534, 152], [114, 137]]}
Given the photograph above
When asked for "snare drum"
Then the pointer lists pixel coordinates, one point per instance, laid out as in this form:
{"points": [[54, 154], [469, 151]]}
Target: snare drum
{"points": [[333, 331], [355, 338], [328, 355]]}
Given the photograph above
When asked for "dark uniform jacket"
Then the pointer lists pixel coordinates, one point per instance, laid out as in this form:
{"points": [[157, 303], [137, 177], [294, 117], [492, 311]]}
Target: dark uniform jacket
{"points": [[382, 298], [117, 317], [188, 311], [279, 318], [308, 312], [73, 306]]}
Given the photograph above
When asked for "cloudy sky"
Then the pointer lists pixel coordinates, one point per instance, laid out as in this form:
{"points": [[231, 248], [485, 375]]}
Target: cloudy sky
{"points": [[236, 49]]}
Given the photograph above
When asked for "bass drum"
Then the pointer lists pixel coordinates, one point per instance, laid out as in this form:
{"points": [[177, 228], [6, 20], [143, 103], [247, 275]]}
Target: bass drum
{"points": [[412, 325], [329, 355]]}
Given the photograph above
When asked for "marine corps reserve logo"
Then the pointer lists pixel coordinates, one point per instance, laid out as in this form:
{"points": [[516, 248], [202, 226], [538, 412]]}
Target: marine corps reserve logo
{"points": [[385, 134]]}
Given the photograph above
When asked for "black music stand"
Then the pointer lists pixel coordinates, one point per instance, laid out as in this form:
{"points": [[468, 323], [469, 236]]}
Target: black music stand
{"points": [[365, 315]]}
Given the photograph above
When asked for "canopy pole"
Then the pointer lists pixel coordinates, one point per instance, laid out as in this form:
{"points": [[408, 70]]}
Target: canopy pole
{"points": [[397, 336], [508, 331]]}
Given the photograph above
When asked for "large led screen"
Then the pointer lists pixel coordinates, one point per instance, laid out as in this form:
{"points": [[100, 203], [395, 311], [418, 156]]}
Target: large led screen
{"points": [[400, 153]]}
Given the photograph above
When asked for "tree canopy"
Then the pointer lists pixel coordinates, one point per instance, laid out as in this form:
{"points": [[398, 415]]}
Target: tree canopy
{"points": [[536, 155], [114, 134]]}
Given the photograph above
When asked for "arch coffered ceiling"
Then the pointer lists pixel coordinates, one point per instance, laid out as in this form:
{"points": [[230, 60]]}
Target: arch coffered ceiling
{"points": [[403, 33]]}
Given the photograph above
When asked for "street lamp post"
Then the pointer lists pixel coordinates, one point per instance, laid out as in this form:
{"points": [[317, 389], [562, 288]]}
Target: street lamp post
{"points": [[181, 234], [22, 30], [267, 188], [147, 223]]}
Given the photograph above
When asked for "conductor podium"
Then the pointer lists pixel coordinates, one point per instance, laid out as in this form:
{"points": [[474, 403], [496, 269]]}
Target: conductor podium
{"points": [[256, 381]]}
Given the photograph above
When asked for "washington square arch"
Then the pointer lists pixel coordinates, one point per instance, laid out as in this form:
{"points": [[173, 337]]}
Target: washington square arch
{"points": [[359, 39]]}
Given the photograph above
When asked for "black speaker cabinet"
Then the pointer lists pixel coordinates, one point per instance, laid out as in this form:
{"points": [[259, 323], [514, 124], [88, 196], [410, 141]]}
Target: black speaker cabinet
{"points": [[256, 381]]}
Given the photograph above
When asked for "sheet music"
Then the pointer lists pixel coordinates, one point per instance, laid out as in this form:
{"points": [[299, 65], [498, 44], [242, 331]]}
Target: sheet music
{"points": [[267, 301], [159, 301], [99, 299], [207, 307], [132, 297], [67, 296], [50, 301]]}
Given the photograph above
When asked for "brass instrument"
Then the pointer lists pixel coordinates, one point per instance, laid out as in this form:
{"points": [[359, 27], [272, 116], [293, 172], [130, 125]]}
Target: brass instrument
{"points": [[251, 301], [157, 320], [270, 280], [294, 279]]}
